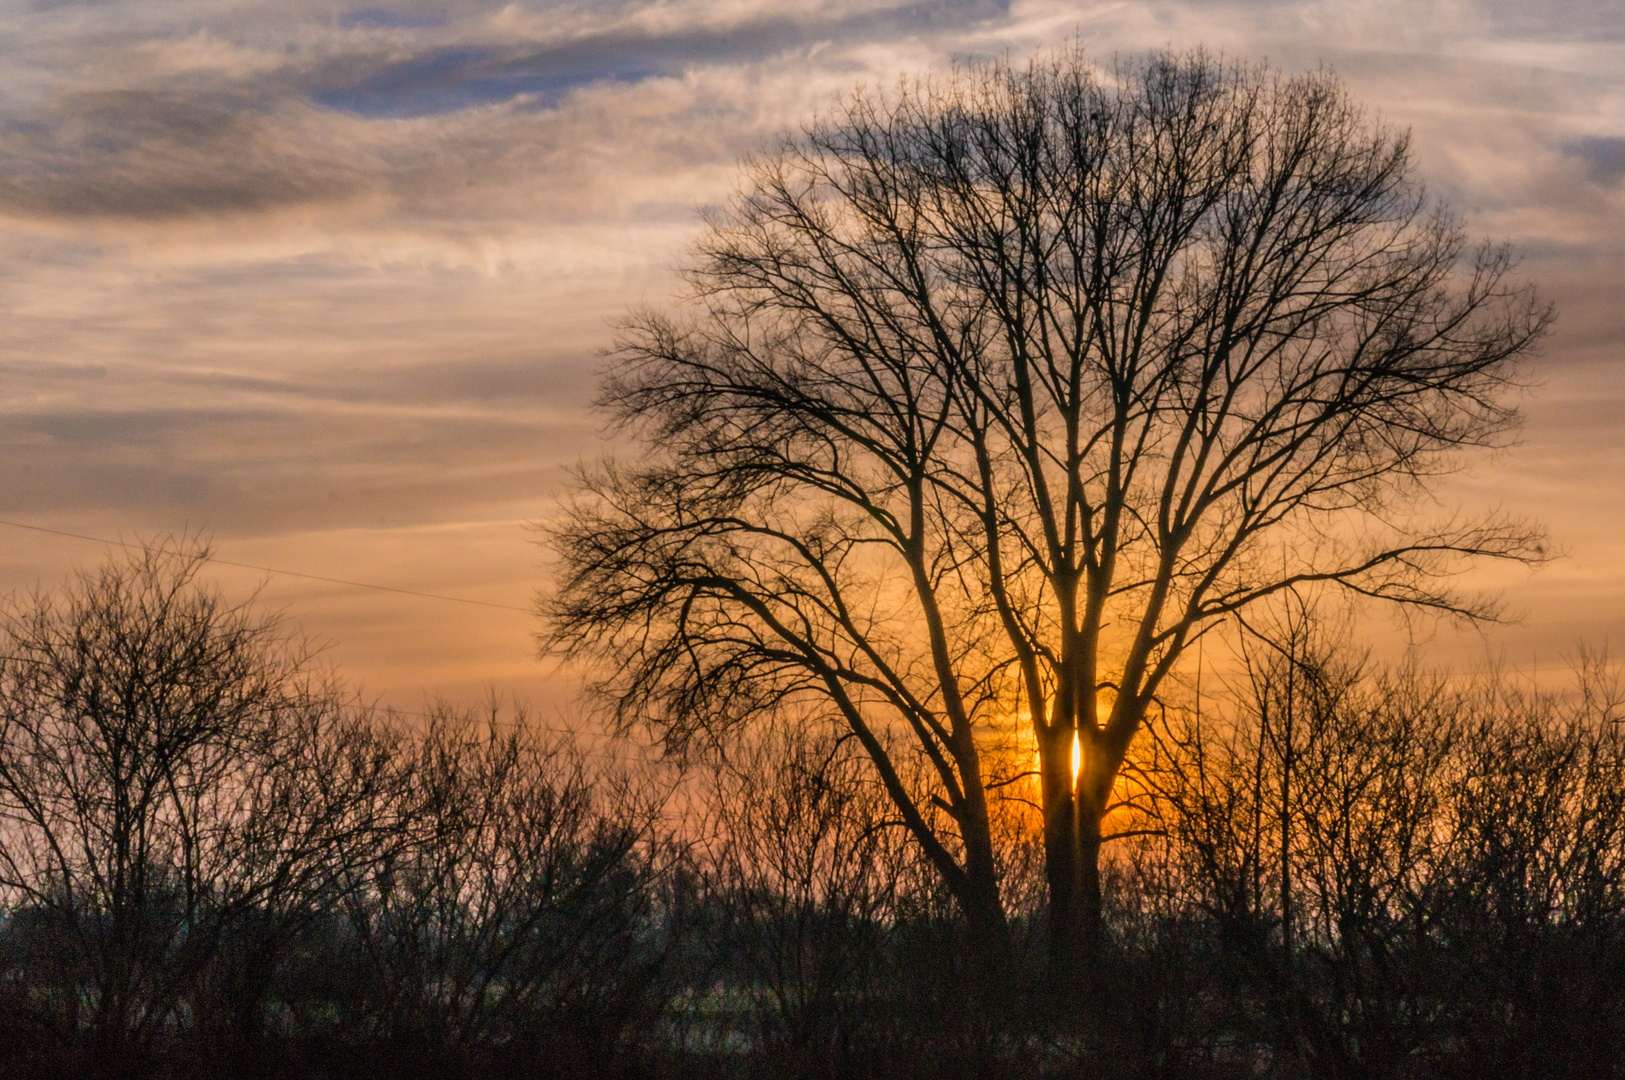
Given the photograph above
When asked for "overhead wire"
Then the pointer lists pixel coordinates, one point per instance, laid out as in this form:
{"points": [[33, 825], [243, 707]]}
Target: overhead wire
{"points": [[285, 573], [598, 750], [1605, 664]]}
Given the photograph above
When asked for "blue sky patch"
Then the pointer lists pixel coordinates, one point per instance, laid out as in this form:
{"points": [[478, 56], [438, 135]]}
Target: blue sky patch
{"points": [[378, 18], [1604, 158], [450, 78]]}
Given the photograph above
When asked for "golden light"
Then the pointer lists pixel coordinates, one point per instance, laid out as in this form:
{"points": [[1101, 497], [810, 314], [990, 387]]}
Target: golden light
{"points": [[1077, 758]]}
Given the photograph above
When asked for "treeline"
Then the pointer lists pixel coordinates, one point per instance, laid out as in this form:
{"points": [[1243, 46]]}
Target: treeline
{"points": [[215, 861]]}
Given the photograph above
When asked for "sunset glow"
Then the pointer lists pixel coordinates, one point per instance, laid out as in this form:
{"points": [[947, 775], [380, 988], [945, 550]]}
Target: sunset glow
{"points": [[556, 538], [331, 284]]}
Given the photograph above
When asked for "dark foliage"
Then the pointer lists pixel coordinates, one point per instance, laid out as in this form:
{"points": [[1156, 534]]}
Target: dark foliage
{"points": [[1334, 870]]}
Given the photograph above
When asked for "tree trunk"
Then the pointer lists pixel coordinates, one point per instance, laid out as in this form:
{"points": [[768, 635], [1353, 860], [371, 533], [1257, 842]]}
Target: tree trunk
{"points": [[991, 944], [1072, 870], [1073, 812], [1091, 916], [978, 896]]}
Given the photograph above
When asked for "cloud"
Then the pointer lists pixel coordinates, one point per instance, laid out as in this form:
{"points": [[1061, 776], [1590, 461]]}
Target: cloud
{"points": [[391, 20], [301, 271], [401, 112], [1604, 158], [154, 154], [247, 470], [453, 77]]}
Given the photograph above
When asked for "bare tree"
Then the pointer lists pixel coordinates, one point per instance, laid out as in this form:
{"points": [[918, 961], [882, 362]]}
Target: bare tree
{"points": [[1395, 869], [519, 912], [1307, 818], [996, 390], [808, 868], [170, 764]]}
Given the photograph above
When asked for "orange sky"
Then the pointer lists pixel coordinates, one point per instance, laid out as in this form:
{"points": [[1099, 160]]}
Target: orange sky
{"points": [[328, 282]]}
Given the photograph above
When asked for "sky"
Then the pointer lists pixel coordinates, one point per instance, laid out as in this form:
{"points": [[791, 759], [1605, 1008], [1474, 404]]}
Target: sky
{"points": [[329, 283]]}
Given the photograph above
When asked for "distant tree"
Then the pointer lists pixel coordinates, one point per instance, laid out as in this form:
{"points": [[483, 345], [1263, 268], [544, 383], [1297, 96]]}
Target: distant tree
{"points": [[809, 877], [1404, 865], [995, 391], [175, 778], [520, 914]]}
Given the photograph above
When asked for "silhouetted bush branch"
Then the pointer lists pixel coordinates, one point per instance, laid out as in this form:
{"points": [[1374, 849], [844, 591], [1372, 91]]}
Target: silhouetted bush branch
{"points": [[214, 861]]}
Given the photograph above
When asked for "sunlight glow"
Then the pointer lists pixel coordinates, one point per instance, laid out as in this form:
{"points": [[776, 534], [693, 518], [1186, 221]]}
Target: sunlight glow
{"points": [[1077, 758]]}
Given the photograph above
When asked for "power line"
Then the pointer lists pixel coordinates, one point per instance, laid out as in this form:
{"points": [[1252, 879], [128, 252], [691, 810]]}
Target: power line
{"points": [[614, 747], [610, 749], [284, 573]]}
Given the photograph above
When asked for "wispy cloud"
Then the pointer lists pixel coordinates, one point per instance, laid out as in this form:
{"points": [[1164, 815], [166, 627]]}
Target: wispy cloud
{"points": [[306, 270], [450, 77], [1603, 157], [154, 154]]}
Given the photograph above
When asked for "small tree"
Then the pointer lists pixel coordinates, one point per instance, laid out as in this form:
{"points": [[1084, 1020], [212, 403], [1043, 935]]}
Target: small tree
{"points": [[808, 875], [993, 392], [173, 775], [519, 917]]}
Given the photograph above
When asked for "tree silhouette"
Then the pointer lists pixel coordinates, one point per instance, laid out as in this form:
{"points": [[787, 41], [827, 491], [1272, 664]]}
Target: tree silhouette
{"points": [[994, 391], [179, 785]]}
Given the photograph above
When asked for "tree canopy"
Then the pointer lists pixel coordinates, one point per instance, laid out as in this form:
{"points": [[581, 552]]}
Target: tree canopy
{"points": [[991, 392]]}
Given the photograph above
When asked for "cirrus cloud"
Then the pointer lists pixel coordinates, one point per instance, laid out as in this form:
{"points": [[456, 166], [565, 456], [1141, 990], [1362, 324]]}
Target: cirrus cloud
{"points": [[309, 273]]}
